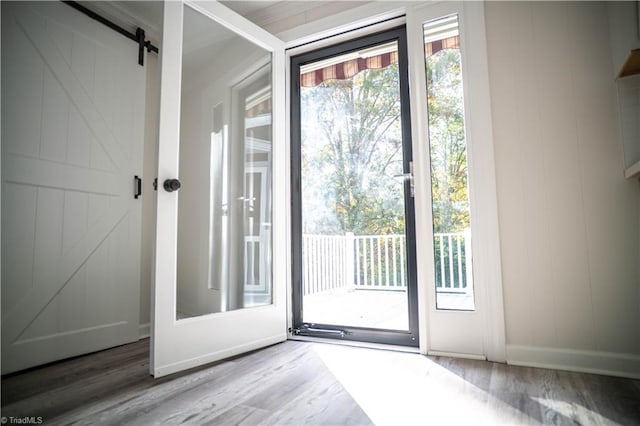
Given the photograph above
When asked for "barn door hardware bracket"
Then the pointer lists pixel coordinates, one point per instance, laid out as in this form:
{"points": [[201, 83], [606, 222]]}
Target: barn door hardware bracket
{"points": [[138, 37]]}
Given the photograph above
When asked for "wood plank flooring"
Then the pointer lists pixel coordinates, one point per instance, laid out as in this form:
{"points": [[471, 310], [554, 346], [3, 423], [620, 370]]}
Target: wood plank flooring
{"points": [[302, 383]]}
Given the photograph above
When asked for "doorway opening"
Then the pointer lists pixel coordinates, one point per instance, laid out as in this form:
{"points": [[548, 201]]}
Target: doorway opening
{"points": [[352, 192]]}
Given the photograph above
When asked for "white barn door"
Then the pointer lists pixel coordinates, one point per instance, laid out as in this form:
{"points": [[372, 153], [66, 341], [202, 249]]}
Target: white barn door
{"points": [[72, 137]]}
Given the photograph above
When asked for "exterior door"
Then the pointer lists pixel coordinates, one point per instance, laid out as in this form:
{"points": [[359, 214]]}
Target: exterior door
{"points": [[353, 218], [221, 218], [72, 136]]}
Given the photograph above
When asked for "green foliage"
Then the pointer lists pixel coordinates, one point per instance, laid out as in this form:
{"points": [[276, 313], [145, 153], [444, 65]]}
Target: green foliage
{"points": [[447, 142], [352, 149]]}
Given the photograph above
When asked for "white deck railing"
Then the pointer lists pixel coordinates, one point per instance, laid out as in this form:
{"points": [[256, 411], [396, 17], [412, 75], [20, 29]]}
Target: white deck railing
{"points": [[377, 262], [380, 262]]}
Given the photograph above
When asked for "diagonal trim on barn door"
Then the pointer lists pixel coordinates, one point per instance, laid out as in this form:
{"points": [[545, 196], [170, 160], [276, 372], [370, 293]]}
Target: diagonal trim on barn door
{"points": [[68, 333], [47, 284], [54, 59], [50, 174]]}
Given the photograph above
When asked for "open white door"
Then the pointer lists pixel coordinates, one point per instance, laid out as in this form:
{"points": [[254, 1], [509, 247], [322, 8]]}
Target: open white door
{"points": [[218, 291]]}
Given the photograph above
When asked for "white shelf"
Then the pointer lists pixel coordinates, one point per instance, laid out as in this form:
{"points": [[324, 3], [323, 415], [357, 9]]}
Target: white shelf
{"points": [[633, 171], [631, 65], [624, 36], [629, 110]]}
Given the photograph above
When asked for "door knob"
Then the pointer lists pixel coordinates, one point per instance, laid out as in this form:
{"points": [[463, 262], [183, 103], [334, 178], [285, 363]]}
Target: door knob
{"points": [[171, 185]]}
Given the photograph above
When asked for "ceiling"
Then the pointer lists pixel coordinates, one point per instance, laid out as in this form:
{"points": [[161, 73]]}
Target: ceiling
{"points": [[246, 8], [274, 16]]}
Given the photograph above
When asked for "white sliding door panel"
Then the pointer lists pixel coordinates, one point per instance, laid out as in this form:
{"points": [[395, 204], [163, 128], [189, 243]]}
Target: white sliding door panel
{"points": [[72, 136], [220, 271]]}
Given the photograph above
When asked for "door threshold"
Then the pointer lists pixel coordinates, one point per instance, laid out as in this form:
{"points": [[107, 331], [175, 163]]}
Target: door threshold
{"points": [[358, 344]]}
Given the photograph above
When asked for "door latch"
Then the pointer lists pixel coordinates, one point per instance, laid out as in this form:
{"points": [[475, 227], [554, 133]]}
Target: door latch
{"points": [[408, 177]]}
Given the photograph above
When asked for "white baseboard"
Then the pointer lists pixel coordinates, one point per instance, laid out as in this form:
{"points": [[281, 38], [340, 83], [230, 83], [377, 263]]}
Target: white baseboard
{"points": [[144, 331], [607, 363]]}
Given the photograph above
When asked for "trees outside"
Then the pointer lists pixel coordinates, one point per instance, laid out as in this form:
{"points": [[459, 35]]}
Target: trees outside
{"points": [[447, 142], [352, 157], [448, 151], [352, 149]]}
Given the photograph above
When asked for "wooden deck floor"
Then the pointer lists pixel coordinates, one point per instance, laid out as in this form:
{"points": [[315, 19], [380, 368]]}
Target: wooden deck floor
{"points": [[370, 308], [302, 383], [358, 308]]}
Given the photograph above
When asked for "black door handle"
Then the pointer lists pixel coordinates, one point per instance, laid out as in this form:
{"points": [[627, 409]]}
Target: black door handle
{"points": [[171, 185], [137, 189]]}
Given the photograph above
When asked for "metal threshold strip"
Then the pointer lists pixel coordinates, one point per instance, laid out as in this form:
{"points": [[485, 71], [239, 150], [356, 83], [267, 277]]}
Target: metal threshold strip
{"points": [[315, 329], [358, 336], [317, 333]]}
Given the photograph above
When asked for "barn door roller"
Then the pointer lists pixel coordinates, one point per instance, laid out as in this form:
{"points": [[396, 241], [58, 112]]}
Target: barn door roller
{"points": [[138, 37]]}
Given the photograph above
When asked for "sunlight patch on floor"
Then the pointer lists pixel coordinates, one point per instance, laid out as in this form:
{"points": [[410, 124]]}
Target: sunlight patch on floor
{"points": [[570, 410], [399, 388]]}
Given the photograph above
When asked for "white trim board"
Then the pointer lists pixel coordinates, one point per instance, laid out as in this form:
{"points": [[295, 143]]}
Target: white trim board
{"points": [[595, 362]]}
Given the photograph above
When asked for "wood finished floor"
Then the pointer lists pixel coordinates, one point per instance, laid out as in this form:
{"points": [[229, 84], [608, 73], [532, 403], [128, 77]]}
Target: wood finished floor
{"points": [[301, 383]]}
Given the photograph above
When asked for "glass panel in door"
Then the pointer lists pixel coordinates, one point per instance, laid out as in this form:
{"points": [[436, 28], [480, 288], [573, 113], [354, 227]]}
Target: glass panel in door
{"points": [[225, 178], [449, 172], [355, 191]]}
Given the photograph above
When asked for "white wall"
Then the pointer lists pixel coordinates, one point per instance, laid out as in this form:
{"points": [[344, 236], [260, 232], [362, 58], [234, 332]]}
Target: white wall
{"points": [[623, 30], [569, 221]]}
